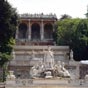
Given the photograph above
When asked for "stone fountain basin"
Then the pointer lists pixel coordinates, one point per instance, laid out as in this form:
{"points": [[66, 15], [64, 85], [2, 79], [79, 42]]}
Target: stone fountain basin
{"points": [[42, 81], [51, 81]]}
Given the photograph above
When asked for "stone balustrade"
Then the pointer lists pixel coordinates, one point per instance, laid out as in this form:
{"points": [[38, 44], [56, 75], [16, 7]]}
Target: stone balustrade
{"points": [[38, 16]]}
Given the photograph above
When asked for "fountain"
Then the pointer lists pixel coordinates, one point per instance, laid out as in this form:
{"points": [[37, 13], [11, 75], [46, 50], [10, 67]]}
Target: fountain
{"points": [[46, 73], [48, 68]]}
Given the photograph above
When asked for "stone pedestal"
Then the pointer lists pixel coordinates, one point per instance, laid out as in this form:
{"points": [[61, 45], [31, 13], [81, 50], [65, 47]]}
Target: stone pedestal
{"points": [[10, 80]]}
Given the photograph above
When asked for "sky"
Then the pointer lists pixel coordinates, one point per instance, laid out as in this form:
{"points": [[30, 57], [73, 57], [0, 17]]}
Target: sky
{"points": [[74, 8]]}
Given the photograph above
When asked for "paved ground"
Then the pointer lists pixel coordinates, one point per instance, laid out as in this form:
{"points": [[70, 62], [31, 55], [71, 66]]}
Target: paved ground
{"points": [[2, 85], [47, 86]]}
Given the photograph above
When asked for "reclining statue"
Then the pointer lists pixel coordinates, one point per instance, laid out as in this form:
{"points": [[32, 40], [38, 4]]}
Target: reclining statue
{"points": [[60, 70]]}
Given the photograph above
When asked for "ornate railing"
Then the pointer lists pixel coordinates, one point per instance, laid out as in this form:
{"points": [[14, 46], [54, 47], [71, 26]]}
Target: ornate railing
{"points": [[38, 16]]}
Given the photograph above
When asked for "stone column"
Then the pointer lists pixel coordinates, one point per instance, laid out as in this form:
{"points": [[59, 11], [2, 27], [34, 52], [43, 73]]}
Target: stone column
{"points": [[53, 27], [77, 71], [29, 31], [42, 30], [17, 33]]}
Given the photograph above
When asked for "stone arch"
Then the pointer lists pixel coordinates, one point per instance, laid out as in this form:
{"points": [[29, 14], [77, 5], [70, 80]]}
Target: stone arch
{"points": [[48, 31], [23, 31], [35, 31]]}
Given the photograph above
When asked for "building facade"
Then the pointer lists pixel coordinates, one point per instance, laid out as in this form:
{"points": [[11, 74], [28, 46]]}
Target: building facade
{"points": [[36, 29]]}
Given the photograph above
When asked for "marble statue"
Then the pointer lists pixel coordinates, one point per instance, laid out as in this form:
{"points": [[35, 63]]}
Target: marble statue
{"points": [[71, 55], [11, 75], [60, 70], [48, 69], [49, 59], [65, 71], [34, 72]]}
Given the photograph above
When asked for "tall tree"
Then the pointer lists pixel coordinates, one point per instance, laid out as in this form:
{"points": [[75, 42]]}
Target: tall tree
{"points": [[80, 42], [8, 23], [74, 33], [65, 16], [66, 29]]}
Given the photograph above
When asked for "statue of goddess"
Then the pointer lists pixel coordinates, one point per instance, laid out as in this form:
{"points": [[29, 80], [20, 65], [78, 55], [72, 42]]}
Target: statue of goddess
{"points": [[48, 59]]}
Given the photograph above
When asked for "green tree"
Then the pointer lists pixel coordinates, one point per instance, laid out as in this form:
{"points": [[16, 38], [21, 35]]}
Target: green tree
{"points": [[74, 32], [65, 16], [66, 29], [80, 42], [8, 23]]}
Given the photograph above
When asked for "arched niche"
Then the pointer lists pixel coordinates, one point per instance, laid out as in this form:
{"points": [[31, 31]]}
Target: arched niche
{"points": [[35, 31], [23, 31], [48, 31]]}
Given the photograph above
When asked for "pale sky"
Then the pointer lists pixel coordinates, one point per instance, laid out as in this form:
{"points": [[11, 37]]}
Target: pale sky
{"points": [[74, 8]]}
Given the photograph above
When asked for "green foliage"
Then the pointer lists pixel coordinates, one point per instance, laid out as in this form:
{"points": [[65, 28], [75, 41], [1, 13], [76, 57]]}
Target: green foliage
{"points": [[66, 29], [74, 32], [3, 58], [8, 23], [80, 44]]}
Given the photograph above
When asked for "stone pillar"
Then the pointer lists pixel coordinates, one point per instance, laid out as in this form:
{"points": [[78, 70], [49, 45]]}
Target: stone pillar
{"points": [[42, 30], [29, 31], [17, 33], [77, 71], [53, 27]]}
